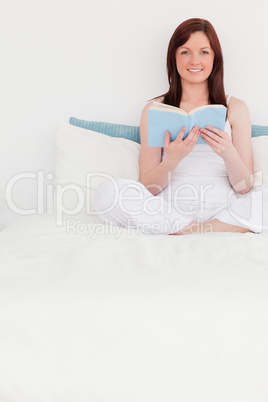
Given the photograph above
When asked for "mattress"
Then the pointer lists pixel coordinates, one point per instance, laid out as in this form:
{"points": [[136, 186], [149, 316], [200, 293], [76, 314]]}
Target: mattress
{"points": [[90, 312]]}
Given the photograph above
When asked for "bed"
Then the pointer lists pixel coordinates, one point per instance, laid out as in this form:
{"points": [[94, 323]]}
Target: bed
{"points": [[93, 313]]}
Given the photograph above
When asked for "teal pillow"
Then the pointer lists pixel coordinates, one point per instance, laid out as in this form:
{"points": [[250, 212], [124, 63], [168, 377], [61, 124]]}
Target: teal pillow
{"points": [[113, 130], [133, 132], [257, 131]]}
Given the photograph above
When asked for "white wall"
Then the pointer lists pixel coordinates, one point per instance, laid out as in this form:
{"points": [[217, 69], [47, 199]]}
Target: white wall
{"points": [[102, 60]]}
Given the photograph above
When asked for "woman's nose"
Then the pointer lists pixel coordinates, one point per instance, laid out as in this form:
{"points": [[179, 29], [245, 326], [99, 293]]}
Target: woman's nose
{"points": [[195, 59]]}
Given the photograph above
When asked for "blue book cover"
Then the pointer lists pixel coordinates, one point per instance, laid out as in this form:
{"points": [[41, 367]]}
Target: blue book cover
{"points": [[162, 117]]}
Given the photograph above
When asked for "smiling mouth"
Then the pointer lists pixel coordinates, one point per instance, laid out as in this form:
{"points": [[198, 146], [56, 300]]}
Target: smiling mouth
{"points": [[195, 70]]}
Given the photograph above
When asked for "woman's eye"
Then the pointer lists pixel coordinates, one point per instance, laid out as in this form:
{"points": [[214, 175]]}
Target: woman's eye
{"points": [[204, 52], [184, 52]]}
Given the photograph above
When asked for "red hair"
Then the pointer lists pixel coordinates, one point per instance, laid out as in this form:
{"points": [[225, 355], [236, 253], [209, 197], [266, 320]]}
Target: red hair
{"points": [[215, 80]]}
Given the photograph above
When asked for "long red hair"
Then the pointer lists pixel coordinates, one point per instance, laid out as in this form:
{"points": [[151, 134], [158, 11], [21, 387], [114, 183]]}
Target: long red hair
{"points": [[215, 80]]}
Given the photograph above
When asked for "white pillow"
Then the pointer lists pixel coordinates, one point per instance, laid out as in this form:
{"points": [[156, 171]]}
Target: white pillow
{"points": [[260, 157], [84, 159]]}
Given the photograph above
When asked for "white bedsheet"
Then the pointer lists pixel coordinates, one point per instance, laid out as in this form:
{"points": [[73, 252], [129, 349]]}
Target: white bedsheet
{"points": [[132, 319]]}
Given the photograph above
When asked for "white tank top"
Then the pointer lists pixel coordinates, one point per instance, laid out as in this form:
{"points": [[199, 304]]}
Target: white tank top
{"points": [[201, 177]]}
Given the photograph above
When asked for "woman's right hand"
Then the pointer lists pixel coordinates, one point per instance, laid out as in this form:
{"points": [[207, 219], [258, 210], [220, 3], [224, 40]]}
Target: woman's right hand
{"points": [[177, 150]]}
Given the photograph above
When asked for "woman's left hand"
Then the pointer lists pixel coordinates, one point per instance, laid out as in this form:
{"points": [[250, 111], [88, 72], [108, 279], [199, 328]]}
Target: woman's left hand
{"points": [[218, 140]]}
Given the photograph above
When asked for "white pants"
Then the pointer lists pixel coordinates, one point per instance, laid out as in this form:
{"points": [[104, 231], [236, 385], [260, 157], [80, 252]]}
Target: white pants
{"points": [[127, 203]]}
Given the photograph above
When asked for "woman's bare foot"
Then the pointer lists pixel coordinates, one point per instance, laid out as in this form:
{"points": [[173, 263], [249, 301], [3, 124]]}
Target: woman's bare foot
{"points": [[210, 227], [195, 227]]}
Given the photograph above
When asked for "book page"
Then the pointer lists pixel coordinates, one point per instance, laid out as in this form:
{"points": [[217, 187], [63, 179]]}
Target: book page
{"points": [[167, 108], [163, 106], [196, 109]]}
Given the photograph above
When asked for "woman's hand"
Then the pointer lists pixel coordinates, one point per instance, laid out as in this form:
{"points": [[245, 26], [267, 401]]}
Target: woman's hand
{"points": [[218, 140], [179, 148]]}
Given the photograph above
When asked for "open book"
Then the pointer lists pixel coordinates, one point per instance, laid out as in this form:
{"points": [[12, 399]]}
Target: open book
{"points": [[162, 117]]}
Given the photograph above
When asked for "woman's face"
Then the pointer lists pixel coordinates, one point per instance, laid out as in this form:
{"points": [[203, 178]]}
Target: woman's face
{"points": [[195, 59]]}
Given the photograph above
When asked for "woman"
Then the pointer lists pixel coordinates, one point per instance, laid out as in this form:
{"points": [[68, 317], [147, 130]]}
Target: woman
{"points": [[189, 187]]}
